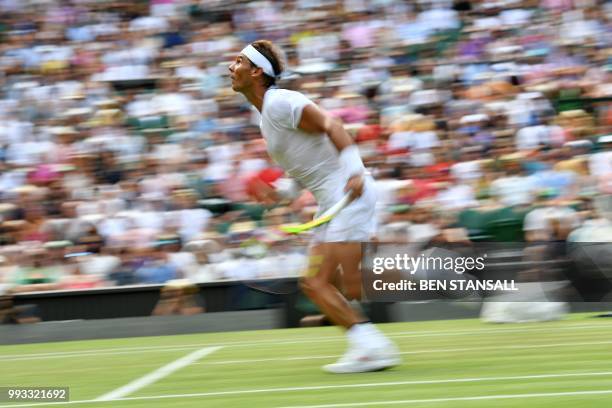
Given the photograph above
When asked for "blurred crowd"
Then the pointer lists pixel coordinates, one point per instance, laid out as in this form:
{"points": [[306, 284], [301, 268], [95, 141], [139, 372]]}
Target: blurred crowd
{"points": [[126, 157]]}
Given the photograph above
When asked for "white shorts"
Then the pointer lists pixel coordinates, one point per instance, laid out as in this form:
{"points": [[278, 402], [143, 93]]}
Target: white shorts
{"points": [[355, 223]]}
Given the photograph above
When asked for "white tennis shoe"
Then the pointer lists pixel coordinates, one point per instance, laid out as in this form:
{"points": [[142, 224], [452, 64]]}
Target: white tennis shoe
{"points": [[362, 360]]}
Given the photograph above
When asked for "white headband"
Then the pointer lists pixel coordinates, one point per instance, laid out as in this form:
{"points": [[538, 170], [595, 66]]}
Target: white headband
{"points": [[258, 59]]}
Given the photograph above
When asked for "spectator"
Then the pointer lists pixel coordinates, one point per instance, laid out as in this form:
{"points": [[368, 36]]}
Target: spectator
{"points": [[118, 128], [35, 273], [156, 268]]}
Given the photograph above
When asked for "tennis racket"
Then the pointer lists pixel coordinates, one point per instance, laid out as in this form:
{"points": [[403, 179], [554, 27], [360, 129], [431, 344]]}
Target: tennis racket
{"points": [[283, 286], [324, 218]]}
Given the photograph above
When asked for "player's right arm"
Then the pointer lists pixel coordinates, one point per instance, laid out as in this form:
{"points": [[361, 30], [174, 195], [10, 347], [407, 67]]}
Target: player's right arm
{"points": [[316, 121]]}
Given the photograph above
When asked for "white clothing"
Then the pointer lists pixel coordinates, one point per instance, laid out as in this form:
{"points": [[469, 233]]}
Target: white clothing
{"points": [[457, 197], [600, 164], [157, 23], [223, 153], [466, 171], [413, 140], [531, 137], [422, 159], [313, 161], [515, 17], [192, 222], [174, 103], [98, 264], [439, 19], [598, 230], [184, 262], [513, 190], [541, 219], [252, 165], [356, 223], [324, 46]]}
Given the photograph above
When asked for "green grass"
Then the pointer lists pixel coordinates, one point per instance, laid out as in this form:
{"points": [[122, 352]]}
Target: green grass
{"points": [[437, 354]]}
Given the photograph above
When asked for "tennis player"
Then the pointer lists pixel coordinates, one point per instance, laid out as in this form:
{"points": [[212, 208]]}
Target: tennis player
{"points": [[315, 150]]}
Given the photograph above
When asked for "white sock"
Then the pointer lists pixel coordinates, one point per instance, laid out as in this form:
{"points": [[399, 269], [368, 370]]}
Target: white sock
{"points": [[366, 335]]}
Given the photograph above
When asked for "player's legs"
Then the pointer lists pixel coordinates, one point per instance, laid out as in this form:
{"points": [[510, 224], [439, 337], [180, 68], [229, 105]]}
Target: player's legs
{"points": [[349, 257], [368, 350], [317, 284]]}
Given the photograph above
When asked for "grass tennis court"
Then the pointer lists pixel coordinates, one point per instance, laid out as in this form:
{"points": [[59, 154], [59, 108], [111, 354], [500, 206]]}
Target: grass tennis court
{"points": [[458, 363]]}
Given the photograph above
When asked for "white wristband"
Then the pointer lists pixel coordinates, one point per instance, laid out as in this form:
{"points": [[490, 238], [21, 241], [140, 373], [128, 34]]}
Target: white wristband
{"points": [[351, 161]]}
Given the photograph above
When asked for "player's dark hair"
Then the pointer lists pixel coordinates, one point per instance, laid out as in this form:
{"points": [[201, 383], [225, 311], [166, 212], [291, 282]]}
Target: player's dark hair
{"points": [[272, 54]]}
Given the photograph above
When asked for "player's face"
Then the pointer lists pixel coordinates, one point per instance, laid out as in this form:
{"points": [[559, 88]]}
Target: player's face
{"points": [[240, 73]]}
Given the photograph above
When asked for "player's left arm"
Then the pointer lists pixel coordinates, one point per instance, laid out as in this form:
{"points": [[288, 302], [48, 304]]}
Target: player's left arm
{"points": [[315, 120]]}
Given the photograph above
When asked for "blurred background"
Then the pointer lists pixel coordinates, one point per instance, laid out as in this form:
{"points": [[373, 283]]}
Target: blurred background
{"points": [[126, 160]]}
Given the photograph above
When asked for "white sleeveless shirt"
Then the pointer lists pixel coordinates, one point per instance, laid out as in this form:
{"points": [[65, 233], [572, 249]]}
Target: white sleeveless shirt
{"points": [[311, 159]]}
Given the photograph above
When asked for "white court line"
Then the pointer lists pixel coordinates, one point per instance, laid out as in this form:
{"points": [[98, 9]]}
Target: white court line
{"points": [[109, 352], [328, 387], [330, 338], [450, 350], [476, 398], [157, 374], [321, 357], [118, 350]]}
